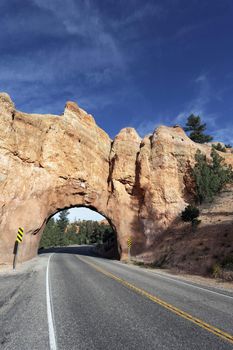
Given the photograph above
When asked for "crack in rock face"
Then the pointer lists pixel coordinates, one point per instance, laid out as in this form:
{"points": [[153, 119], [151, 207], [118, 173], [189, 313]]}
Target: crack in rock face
{"points": [[50, 162]]}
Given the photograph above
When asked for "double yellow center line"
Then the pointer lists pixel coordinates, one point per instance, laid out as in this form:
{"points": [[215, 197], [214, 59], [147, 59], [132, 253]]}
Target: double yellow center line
{"points": [[197, 321]]}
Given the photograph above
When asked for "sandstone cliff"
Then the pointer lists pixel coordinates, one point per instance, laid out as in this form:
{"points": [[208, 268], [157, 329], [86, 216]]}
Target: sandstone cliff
{"points": [[51, 162]]}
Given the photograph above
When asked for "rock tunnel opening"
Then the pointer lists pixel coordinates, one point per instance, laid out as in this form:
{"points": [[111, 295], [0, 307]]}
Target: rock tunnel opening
{"points": [[80, 229]]}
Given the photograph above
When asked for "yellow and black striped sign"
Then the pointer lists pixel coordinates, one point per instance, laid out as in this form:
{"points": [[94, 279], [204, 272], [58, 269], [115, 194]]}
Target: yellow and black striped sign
{"points": [[129, 242], [19, 237]]}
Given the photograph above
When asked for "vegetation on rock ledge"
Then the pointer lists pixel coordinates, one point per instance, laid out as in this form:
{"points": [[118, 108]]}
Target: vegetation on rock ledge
{"points": [[210, 176], [190, 214], [219, 147]]}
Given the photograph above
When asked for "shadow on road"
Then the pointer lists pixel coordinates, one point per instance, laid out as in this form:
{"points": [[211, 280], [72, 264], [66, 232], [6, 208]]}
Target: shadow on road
{"points": [[87, 250]]}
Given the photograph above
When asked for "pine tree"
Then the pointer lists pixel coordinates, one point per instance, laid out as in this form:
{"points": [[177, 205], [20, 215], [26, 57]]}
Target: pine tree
{"points": [[62, 223], [63, 220], [51, 235], [60, 232], [196, 129]]}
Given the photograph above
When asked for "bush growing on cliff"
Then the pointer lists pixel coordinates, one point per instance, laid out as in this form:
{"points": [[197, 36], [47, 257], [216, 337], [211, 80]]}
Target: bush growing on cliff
{"points": [[224, 270], [190, 214], [196, 129], [219, 147], [227, 262], [210, 176]]}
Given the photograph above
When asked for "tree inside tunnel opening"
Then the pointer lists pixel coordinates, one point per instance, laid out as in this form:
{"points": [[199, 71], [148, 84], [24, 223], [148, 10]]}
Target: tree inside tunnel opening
{"points": [[81, 226]]}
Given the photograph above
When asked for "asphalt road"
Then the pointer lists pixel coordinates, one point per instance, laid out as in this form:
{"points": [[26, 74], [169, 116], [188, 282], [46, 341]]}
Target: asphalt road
{"points": [[71, 300]]}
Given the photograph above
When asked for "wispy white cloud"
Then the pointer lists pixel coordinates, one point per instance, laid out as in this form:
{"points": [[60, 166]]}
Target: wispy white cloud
{"points": [[82, 19], [201, 78], [224, 135], [198, 105], [98, 56], [139, 13], [69, 54], [187, 30], [147, 127], [78, 51]]}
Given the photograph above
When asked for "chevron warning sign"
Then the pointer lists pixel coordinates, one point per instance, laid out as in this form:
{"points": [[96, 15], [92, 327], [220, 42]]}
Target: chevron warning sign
{"points": [[129, 242], [19, 237], [18, 240]]}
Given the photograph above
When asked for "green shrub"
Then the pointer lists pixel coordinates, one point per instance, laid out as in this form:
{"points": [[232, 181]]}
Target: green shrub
{"points": [[139, 263], [210, 177], [227, 262], [224, 270], [190, 214], [219, 147], [217, 271]]}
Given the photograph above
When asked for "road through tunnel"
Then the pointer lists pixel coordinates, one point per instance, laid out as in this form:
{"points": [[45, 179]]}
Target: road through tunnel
{"points": [[81, 228], [53, 162]]}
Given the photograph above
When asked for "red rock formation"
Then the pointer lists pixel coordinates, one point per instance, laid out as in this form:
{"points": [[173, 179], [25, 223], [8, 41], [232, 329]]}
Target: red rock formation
{"points": [[50, 162]]}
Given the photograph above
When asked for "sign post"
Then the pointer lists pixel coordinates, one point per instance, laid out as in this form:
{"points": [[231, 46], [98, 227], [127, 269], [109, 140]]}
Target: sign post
{"points": [[19, 239], [129, 243]]}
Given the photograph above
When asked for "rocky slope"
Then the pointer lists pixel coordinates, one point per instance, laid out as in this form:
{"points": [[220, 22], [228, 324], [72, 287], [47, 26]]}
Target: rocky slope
{"points": [[50, 162], [199, 251]]}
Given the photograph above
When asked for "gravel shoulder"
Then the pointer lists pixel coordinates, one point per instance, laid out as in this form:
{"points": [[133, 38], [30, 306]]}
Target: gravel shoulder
{"points": [[204, 281]]}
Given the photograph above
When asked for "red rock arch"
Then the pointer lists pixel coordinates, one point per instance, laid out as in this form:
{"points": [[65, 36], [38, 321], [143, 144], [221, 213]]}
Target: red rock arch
{"points": [[50, 162], [53, 162]]}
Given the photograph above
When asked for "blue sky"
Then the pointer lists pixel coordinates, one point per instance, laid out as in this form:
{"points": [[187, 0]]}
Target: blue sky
{"points": [[129, 63], [83, 214]]}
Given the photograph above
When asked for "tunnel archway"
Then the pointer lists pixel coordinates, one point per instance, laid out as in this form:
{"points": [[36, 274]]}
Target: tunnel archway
{"points": [[80, 229], [51, 162], [62, 162]]}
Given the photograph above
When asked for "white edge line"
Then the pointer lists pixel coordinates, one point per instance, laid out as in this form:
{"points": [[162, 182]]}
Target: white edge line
{"points": [[192, 285], [176, 280], [52, 338], [186, 283]]}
